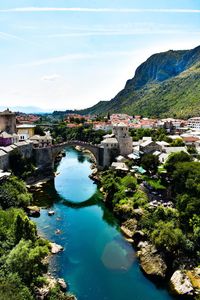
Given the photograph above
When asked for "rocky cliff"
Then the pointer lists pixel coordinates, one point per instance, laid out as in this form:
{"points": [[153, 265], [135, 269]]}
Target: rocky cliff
{"points": [[167, 84]]}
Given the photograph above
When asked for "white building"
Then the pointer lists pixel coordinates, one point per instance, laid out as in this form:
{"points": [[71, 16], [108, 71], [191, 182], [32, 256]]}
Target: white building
{"points": [[194, 123]]}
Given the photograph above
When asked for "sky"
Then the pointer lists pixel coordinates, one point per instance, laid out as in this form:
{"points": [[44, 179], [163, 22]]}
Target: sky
{"points": [[70, 54]]}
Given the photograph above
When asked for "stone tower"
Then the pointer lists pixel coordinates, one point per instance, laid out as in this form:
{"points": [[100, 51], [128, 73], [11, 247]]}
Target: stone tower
{"points": [[8, 121], [121, 133]]}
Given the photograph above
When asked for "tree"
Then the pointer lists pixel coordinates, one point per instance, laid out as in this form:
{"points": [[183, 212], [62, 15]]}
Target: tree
{"points": [[195, 224], [175, 158], [13, 192], [39, 130], [177, 143], [150, 162], [24, 228], [166, 236], [129, 182], [25, 260], [20, 166], [11, 288], [186, 178]]}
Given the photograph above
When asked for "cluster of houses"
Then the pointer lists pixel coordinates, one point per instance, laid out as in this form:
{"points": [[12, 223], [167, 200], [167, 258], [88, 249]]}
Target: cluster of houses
{"points": [[12, 134], [136, 122], [117, 143], [120, 141]]}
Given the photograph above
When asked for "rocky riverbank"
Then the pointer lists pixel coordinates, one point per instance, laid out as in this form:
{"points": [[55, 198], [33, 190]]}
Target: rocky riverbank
{"points": [[154, 263]]}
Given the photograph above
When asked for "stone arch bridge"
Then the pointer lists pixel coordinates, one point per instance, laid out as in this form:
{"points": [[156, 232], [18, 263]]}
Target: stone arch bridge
{"points": [[94, 149], [46, 156]]}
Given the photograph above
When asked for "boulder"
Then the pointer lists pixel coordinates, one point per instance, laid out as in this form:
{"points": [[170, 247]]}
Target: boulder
{"points": [[128, 233], [55, 248], [180, 284], [33, 211], [101, 190], [151, 261], [62, 284], [194, 276], [128, 228]]}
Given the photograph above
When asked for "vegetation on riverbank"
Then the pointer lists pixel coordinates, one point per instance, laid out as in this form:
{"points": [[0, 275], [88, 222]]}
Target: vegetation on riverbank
{"points": [[174, 230], [22, 251]]}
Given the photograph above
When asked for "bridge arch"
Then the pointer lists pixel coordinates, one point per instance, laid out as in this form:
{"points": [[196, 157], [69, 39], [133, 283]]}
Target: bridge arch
{"points": [[94, 149]]}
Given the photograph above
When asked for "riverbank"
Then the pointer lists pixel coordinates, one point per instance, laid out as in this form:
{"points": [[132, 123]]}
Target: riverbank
{"points": [[90, 236], [126, 199]]}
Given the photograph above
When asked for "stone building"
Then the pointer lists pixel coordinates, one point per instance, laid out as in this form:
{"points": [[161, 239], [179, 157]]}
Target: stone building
{"points": [[8, 121], [25, 131], [118, 143], [125, 141]]}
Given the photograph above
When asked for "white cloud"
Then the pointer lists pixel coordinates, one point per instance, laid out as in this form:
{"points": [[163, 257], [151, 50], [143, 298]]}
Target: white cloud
{"points": [[52, 77], [78, 56], [98, 10], [8, 36]]}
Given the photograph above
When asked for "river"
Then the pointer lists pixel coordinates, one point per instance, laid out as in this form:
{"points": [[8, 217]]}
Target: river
{"points": [[97, 262]]}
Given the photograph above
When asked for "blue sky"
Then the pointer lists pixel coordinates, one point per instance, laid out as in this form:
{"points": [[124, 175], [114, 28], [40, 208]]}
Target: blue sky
{"points": [[71, 54]]}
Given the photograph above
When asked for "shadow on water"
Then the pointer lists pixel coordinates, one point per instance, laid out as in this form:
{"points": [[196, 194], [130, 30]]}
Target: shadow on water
{"points": [[47, 196]]}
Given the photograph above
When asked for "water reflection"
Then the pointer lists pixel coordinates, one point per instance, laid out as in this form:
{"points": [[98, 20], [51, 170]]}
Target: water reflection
{"points": [[118, 255]]}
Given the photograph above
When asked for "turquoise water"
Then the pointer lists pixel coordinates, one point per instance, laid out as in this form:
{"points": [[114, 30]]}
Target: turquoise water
{"points": [[97, 262]]}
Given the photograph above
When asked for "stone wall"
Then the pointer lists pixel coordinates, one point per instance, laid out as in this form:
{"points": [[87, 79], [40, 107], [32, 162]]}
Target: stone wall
{"points": [[4, 160], [43, 157], [26, 149]]}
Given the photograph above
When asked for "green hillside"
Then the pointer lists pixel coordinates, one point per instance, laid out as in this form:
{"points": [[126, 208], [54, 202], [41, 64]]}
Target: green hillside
{"points": [[167, 84]]}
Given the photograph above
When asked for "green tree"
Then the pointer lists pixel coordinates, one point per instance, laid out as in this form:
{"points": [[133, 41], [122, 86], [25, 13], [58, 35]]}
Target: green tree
{"points": [[150, 162], [39, 130], [11, 288], [166, 236], [25, 260], [175, 158], [13, 192]]}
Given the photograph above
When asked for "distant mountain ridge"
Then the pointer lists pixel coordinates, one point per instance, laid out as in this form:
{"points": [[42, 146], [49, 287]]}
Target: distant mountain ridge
{"points": [[25, 109], [166, 84]]}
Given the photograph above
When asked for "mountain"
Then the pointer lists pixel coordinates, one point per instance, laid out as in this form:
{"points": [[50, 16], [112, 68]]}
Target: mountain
{"points": [[167, 84], [25, 109]]}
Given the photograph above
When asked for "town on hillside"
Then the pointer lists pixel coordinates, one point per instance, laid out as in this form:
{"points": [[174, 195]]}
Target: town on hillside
{"points": [[122, 136]]}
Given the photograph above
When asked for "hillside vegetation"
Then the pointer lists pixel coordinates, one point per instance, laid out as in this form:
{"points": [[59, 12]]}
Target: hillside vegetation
{"points": [[167, 84]]}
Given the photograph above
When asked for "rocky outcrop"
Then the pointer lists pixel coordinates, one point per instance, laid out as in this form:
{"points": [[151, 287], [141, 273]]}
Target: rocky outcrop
{"points": [[55, 248], [180, 284], [43, 292], [153, 89], [62, 284], [129, 227], [194, 276], [33, 211], [152, 262]]}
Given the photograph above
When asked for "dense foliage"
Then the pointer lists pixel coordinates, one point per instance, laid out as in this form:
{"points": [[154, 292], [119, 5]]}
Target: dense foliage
{"points": [[21, 250], [13, 193], [62, 133], [21, 253], [174, 230], [21, 166]]}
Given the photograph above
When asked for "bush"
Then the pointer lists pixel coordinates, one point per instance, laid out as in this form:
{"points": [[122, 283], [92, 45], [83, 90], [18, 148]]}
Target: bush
{"points": [[13, 192], [166, 236]]}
